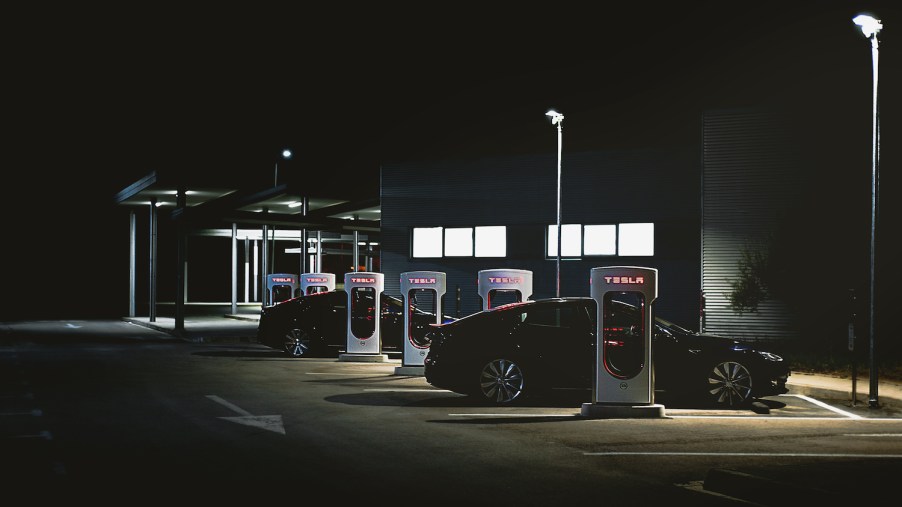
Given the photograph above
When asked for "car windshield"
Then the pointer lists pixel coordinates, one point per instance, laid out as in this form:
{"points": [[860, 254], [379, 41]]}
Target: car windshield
{"points": [[394, 304], [673, 327], [623, 307]]}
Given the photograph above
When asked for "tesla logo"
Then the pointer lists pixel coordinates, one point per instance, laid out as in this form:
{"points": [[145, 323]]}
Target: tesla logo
{"points": [[363, 280], [624, 385], [317, 280], [632, 280], [286, 280], [421, 280], [505, 279]]}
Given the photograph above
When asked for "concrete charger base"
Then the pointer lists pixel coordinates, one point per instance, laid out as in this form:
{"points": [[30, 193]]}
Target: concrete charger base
{"points": [[609, 411], [364, 358]]}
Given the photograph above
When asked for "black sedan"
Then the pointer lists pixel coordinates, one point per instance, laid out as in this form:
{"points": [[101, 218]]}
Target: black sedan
{"points": [[506, 354], [316, 324]]}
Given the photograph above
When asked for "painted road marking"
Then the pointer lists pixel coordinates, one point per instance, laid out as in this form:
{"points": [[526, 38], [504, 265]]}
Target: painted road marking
{"points": [[512, 415], [782, 418], [36, 413], [267, 422], [824, 405], [895, 435], [44, 434], [412, 390], [741, 454], [353, 374], [738, 417]]}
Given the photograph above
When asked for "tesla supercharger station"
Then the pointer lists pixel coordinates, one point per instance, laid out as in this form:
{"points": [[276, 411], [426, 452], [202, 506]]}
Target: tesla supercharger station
{"points": [[422, 290], [280, 286], [492, 283], [624, 373], [311, 283], [364, 315]]}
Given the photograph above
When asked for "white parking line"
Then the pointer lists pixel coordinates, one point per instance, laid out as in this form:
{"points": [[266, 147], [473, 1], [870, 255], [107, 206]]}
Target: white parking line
{"points": [[781, 418], [24, 396], [352, 374], [44, 434], [36, 413], [738, 417], [895, 435], [513, 415], [755, 454], [412, 390], [824, 405]]}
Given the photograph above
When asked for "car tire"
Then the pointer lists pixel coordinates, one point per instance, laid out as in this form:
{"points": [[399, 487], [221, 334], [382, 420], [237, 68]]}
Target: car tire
{"points": [[730, 385], [297, 343], [501, 381]]}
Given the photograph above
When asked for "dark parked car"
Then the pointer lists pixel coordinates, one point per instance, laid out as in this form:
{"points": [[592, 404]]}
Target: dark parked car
{"points": [[317, 324], [509, 353]]}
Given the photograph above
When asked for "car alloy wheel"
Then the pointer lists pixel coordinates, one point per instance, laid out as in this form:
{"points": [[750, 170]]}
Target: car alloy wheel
{"points": [[730, 384], [501, 381], [297, 343]]}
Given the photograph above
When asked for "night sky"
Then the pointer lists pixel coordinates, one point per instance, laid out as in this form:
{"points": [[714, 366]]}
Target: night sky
{"points": [[97, 99]]}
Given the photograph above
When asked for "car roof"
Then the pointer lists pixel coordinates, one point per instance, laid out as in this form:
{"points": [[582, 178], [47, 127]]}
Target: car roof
{"points": [[541, 301]]}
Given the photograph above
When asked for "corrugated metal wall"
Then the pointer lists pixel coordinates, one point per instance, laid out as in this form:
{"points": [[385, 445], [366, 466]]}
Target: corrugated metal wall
{"points": [[749, 179]]}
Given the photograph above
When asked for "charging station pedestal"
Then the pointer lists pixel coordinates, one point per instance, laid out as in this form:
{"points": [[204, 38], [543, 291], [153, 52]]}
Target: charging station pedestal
{"points": [[419, 289], [364, 317], [493, 283], [624, 373], [311, 283], [280, 287]]}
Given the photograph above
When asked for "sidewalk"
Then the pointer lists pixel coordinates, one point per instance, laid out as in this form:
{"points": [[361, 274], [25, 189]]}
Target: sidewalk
{"points": [[243, 328]]}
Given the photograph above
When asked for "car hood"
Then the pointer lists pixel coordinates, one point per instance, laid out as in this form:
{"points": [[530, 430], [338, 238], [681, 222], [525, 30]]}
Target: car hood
{"points": [[711, 341]]}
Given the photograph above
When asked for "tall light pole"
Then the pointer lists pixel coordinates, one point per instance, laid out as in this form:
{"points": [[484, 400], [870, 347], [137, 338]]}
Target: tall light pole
{"points": [[558, 119], [870, 27]]}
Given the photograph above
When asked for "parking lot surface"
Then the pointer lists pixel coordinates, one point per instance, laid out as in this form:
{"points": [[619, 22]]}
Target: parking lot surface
{"points": [[98, 405]]}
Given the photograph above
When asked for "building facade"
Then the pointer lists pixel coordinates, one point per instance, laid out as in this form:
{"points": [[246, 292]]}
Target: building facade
{"points": [[629, 208]]}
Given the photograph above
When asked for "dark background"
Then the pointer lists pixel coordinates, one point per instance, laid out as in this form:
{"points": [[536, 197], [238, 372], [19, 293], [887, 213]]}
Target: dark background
{"points": [[97, 98]]}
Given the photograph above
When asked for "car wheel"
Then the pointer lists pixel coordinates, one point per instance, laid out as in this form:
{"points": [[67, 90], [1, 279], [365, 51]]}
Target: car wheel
{"points": [[501, 381], [729, 384], [297, 343]]}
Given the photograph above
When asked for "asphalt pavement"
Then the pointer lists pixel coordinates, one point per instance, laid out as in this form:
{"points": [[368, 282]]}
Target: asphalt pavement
{"points": [[748, 482]]}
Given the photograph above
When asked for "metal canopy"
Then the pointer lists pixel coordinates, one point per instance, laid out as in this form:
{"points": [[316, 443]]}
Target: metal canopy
{"points": [[209, 206]]}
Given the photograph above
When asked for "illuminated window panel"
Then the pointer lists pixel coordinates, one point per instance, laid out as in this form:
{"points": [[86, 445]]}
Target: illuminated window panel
{"points": [[459, 242], [427, 242], [636, 239], [571, 240], [491, 241], [600, 240]]}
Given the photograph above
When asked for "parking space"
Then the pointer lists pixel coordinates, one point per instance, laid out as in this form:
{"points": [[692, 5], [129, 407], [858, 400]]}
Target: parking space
{"points": [[379, 380]]}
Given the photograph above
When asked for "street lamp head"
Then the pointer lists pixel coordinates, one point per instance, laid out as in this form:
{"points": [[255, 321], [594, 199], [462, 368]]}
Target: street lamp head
{"points": [[287, 154], [869, 25], [556, 117]]}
